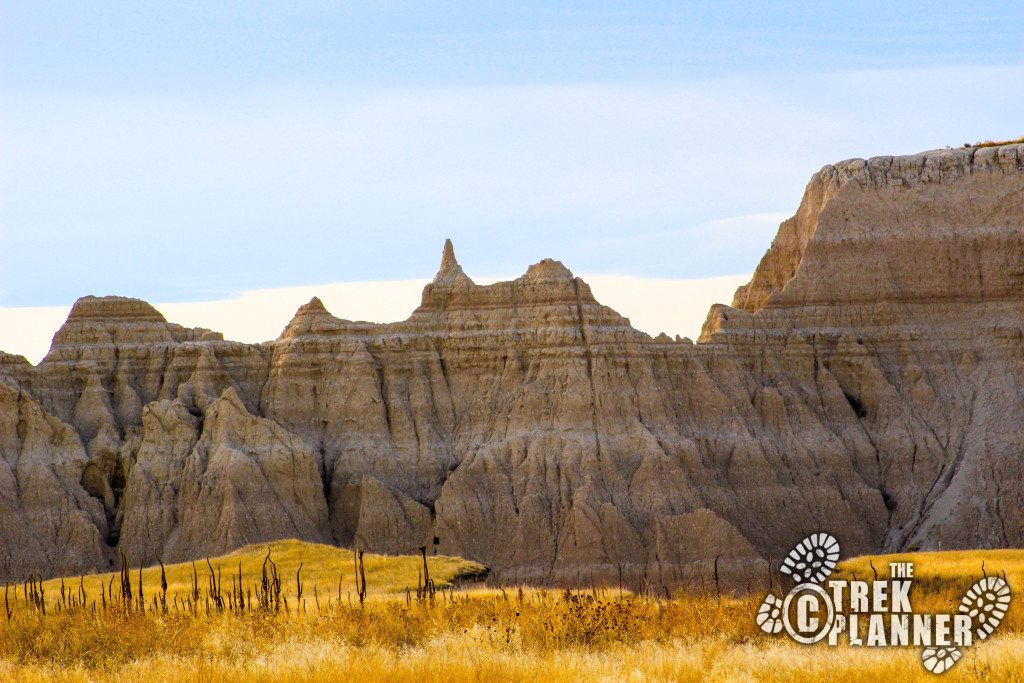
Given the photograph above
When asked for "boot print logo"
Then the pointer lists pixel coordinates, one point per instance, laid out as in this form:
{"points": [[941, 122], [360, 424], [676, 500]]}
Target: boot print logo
{"points": [[876, 613]]}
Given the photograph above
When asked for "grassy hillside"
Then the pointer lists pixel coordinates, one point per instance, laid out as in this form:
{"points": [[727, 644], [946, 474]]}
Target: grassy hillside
{"points": [[942, 578], [478, 635], [322, 568], [952, 566], [991, 143]]}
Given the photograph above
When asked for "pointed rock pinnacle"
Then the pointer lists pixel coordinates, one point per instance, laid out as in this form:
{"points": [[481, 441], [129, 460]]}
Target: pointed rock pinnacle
{"points": [[448, 257], [450, 270]]}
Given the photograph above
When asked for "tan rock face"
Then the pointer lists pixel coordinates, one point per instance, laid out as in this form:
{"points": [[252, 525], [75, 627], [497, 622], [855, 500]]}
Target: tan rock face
{"points": [[867, 382], [908, 293], [49, 523], [243, 480]]}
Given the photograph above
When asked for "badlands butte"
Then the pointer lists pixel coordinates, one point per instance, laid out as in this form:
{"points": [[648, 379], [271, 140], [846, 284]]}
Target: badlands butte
{"points": [[868, 381]]}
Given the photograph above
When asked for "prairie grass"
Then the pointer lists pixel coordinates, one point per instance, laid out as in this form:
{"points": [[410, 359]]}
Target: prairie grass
{"points": [[942, 577], [946, 565], [477, 634], [991, 143], [327, 573]]}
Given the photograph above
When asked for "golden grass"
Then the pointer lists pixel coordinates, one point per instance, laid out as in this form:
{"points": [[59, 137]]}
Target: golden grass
{"points": [[946, 565], [483, 634], [322, 567], [941, 578], [990, 143], [472, 657], [479, 638]]}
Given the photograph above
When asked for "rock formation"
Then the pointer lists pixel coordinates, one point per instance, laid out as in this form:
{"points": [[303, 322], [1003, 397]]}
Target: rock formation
{"points": [[868, 381]]}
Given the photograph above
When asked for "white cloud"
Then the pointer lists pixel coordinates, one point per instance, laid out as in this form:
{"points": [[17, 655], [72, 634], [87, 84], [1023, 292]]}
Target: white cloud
{"points": [[29, 331], [652, 305], [664, 305], [261, 315]]}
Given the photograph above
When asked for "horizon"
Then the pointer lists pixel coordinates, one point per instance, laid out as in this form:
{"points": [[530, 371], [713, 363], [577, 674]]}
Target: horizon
{"points": [[257, 316]]}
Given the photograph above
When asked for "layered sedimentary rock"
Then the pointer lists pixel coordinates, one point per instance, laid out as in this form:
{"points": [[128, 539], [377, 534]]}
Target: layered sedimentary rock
{"points": [[867, 381], [218, 482], [48, 521], [905, 276]]}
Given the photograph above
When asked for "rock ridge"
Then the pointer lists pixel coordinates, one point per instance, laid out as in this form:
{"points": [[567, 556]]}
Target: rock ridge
{"points": [[868, 381]]}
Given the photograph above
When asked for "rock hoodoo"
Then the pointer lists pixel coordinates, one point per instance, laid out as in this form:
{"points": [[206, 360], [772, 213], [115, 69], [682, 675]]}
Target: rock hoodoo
{"points": [[868, 381]]}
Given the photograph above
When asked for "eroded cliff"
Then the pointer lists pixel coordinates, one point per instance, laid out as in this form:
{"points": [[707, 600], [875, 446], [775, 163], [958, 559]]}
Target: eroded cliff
{"points": [[867, 381]]}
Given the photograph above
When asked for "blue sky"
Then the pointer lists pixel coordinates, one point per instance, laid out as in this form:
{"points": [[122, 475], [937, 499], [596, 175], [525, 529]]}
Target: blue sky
{"points": [[184, 151], [175, 46]]}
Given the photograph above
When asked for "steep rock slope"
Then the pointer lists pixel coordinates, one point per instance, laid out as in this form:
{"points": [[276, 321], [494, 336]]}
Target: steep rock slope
{"points": [[866, 381], [910, 280]]}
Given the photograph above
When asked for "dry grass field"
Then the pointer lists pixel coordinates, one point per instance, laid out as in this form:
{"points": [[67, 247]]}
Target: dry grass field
{"points": [[465, 634], [327, 574]]}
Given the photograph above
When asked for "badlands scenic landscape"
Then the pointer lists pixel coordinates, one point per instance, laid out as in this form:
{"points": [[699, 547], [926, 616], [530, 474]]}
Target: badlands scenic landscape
{"points": [[541, 491], [542, 341], [868, 381]]}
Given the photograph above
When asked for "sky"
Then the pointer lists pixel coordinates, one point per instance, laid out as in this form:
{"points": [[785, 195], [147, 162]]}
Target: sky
{"points": [[200, 152]]}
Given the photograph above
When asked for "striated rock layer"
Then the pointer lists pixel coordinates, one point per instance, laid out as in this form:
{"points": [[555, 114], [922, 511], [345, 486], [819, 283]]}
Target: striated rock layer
{"points": [[869, 381]]}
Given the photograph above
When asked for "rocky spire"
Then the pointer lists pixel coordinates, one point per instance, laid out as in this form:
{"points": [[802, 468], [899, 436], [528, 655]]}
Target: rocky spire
{"points": [[450, 272], [448, 256]]}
